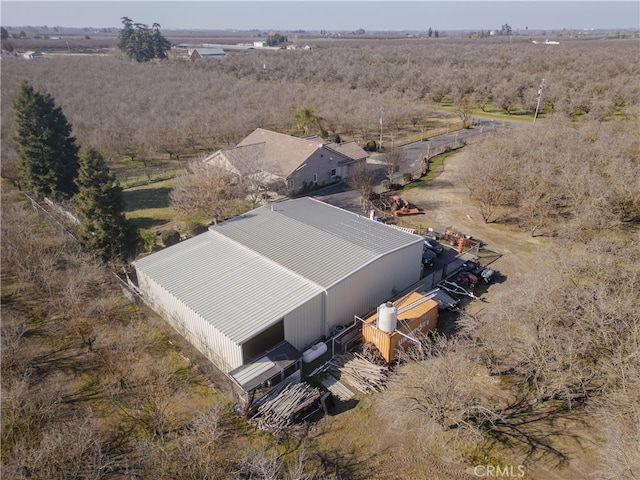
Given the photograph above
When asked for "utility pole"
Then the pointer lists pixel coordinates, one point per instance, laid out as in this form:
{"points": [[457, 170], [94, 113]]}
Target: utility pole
{"points": [[535, 115]]}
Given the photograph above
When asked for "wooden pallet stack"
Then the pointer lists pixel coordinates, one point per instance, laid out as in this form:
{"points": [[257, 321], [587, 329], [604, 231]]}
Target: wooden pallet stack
{"points": [[280, 409]]}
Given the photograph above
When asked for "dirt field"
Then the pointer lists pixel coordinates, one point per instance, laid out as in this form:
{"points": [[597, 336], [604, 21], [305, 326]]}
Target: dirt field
{"points": [[445, 201]]}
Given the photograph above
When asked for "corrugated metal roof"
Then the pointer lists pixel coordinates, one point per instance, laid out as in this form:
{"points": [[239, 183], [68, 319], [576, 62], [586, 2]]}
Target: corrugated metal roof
{"points": [[238, 291], [247, 273], [318, 241], [245, 375], [207, 51], [276, 360]]}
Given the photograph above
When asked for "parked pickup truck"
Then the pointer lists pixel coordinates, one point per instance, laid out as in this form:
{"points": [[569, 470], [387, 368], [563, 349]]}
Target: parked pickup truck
{"points": [[433, 245], [484, 274], [428, 257]]}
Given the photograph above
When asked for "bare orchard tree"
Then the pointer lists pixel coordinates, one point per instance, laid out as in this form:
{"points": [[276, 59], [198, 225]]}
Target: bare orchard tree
{"points": [[69, 449], [255, 180], [394, 160], [540, 196], [338, 79], [464, 109], [625, 189], [9, 167], [265, 464], [491, 183], [618, 416], [441, 389], [205, 190], [461, 98], [171, 140], [583, 339], [198, 450], [361, 178]]}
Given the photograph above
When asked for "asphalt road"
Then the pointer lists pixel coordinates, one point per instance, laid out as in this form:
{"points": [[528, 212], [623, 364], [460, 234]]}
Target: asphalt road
{"points": [[414, 152], [344, 197]]}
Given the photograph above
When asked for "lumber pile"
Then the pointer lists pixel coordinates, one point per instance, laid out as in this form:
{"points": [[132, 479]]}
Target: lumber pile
{"points": [[357, 371], [280, 407], [336, 387]]}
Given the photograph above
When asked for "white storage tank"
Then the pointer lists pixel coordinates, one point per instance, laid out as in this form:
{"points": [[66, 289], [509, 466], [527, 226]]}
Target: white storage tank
{"points": [[316, 351], [387, 317]]}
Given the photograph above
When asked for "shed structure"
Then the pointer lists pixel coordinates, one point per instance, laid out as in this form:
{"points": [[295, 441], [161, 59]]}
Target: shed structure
{"points": [[289, 271], [199, 53], [416, 314]]}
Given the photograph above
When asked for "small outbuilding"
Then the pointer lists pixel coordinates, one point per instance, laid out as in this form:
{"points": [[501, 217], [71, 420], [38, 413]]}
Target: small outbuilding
{"points": [[286, 272], [205, 52], [397, 325]]}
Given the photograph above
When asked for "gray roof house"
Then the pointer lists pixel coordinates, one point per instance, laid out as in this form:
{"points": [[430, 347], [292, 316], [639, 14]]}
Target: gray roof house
{"points": [[297, 163], [277, 278], [205, 52]]}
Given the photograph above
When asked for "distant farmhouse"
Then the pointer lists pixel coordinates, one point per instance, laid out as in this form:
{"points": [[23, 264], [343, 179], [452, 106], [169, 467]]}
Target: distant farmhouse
{"points": [[205, 52], [296, 163]]}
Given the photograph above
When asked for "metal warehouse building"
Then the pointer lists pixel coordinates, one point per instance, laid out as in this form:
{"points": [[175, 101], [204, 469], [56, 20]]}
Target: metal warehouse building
{"points": [[286, 272]]}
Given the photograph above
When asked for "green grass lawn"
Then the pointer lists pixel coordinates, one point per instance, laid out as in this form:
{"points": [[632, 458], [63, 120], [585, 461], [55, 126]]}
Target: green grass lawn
{"points": [[434, 169], [148, 206]]}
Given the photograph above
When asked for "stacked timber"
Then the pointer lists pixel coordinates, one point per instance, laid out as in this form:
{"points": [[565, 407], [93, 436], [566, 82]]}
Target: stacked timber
{"points": [[336, 387], [279, 408], [357, 371]]}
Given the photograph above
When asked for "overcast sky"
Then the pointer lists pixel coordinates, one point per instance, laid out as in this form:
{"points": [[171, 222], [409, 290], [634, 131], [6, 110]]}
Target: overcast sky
{"points": [[370, 15]]}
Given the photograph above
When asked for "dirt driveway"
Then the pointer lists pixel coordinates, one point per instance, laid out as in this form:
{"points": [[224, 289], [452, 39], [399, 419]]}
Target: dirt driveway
{"points": [[445, 203]]}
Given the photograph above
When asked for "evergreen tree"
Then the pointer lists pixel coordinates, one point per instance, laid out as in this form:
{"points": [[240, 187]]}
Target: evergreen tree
{"points": [[275, 40], [104, 229], [125, 39], [307, 120], [140, 43], [160, 44], [6, 45], [47, 153]]}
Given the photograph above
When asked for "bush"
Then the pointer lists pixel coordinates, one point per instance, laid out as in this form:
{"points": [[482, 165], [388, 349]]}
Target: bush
{"points": [[406, 178], [335, 138], [170, 237], [195, 228], [148, 241], [371, 146]]}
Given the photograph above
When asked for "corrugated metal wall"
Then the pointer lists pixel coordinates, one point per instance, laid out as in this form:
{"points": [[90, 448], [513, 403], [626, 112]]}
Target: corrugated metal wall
{"points": [[303, 325], [376, 283], [224, 353], [357, 294]]}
